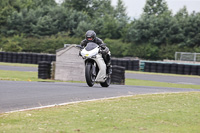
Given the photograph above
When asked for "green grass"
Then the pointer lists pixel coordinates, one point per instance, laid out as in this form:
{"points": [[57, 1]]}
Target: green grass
{"points": [[33, 76], [165, 74], [166, 113], [18, 64], [19, 76], [25, 76], [138, 82]]}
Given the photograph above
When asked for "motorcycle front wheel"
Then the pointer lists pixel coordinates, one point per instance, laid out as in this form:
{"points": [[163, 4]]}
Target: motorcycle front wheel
{"points": [[89, 74]]}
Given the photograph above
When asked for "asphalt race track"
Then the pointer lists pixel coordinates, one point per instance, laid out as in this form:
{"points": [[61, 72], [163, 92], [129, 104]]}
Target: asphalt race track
{"points": [[17, 95]]}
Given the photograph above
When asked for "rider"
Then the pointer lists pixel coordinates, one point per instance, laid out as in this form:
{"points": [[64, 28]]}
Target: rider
{"points": [[90, 36]]}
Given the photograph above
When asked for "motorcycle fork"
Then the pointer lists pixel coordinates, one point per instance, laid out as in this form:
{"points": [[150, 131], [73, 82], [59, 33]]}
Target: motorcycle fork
{"points": [[94, 69]]}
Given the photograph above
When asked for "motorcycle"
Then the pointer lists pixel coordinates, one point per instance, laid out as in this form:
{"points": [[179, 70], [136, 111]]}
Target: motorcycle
{"points": [[95, 67]]}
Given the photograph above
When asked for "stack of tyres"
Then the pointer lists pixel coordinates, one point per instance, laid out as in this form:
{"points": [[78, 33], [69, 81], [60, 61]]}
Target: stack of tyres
{"points": [[174, 68], [160, 67], [34, 59], [187, 69], [1, 56], [194, 70], [167, 68], [136, 65], [147, 67], [153, 67], [29, 58], [14, 57], [114, 62], [5, 57], [118, 75], [44, 70], [53, 57], [198, 70], [24, 57], [9, 57], [180, 69]]}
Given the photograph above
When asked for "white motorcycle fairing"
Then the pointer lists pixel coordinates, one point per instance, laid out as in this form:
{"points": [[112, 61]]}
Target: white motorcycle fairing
{"points": [[97, 57]]}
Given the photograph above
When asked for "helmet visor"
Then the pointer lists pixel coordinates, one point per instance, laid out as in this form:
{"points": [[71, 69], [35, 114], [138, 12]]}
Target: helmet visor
{"points": [[89, 38]]}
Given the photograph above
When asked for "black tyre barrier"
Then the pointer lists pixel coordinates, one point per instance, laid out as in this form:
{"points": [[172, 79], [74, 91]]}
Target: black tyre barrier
{"points": [[153, 67], [160, 67], [194, 70], [180, 69], [198, 70], [127, 63], [173, 68], [147, 67], [29, 58], [118, 75], [166, 68], [187, 69], [44, 70]]}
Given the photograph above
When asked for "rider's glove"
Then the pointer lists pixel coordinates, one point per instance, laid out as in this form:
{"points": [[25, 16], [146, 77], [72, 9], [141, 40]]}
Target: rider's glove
{"points": [[80, 53]]}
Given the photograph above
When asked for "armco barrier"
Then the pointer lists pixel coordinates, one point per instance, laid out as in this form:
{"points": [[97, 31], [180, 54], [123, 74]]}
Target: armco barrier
{"points": [[29, 58], [174, 68]]}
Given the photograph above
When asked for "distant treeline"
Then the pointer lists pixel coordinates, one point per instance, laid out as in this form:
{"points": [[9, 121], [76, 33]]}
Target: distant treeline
{"points": [[44, 26]]}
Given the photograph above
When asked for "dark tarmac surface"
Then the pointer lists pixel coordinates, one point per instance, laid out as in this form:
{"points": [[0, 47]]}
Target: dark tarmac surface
{"points": [[17, 95]]}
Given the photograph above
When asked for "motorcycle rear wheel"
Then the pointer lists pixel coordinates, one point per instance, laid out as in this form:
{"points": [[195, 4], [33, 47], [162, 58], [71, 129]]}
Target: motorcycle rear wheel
{"points": [[90, 78], [107, 82]]}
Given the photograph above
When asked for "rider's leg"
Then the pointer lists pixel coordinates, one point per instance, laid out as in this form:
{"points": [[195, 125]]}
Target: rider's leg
{"points": [[109, 66]]}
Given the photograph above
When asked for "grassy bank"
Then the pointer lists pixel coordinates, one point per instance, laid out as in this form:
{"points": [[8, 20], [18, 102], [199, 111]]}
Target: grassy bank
{"points": [[141, 113], [138, 82], [18, 64]]}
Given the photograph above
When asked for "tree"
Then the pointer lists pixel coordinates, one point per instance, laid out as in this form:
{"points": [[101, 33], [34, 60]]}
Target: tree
{"points": [[110, 27], [78, 5], [155, 7], [82, 28], [100, 8], [122, 17]]}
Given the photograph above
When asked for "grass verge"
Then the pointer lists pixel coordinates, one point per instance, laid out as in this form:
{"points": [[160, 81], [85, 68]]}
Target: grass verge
{"points": [[19, 76], [165, 74], [138, 82], [25, 76], [176, 112], [18, 64]]}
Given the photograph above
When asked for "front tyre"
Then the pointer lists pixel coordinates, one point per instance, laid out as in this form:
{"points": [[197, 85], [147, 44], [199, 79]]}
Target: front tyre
{"points": [[107, 82], [89, 74]]}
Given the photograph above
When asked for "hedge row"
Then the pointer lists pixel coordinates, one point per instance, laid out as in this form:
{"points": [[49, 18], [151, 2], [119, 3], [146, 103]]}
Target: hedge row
{"points": [[173, 68], [29, 58], [127, 63]]}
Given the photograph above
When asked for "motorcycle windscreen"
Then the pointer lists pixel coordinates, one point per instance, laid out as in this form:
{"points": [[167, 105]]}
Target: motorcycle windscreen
{"points": [[90, 46]]}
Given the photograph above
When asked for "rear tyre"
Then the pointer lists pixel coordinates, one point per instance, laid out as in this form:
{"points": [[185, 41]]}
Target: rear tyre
{"points": [[107, 82], [90, 78]]}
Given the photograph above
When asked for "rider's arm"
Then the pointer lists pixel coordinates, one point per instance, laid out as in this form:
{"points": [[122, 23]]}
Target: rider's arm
{"points": [[84, 43], [99, 41]]}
